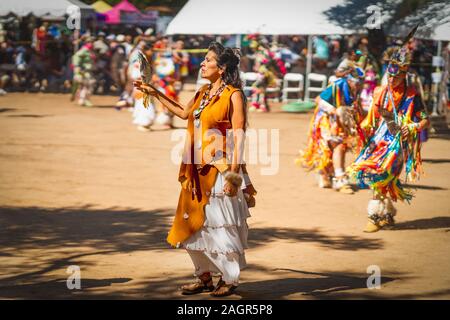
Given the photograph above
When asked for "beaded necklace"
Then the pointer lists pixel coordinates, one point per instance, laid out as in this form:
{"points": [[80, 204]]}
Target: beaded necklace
{"points": [[206, 99]]}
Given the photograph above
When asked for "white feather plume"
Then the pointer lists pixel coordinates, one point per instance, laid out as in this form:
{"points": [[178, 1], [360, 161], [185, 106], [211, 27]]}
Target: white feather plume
{"points": [[145, 69]]}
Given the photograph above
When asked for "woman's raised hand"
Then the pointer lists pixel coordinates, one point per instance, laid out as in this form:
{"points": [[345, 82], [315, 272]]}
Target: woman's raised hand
{"points": [[145, 88]]}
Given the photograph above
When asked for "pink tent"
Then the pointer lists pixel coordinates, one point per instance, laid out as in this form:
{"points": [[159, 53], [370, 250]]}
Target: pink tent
{"points": [[113, 15]]}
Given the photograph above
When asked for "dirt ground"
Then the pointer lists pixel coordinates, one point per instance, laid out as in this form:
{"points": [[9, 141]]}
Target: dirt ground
{"points": [[81, 186]]}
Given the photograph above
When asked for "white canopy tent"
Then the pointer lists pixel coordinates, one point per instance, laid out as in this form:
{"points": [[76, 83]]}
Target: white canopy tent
{"points": [[280, 17], [54, 10], [440, 33], [433, 20], [285, 17], [41, 8]]}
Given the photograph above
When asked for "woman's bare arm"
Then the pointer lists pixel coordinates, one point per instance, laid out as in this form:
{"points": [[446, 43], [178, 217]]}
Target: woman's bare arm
{"points": [[238, 121]]}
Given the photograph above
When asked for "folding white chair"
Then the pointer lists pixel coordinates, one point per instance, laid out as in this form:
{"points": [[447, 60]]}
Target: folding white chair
{"points": [[292, 77], [273, 93], [315, 77], [248, 78], [201, 81]]}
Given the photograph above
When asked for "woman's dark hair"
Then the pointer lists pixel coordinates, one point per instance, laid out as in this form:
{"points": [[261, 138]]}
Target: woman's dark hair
{"points": [[228, 58]]}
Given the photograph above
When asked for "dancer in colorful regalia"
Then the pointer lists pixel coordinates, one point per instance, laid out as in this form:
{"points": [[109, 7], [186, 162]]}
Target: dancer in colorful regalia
{"points": [[269, 68], [83, 78], [333, 130], [394, 122], [143, 113], [164, 80]]}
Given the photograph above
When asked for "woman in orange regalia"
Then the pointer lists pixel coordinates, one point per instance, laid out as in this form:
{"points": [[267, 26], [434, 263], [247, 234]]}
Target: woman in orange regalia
{"points": [[210, 222]]}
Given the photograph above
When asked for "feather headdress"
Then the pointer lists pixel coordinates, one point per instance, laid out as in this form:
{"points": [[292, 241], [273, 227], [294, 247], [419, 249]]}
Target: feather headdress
{"points": [[399, 57]]}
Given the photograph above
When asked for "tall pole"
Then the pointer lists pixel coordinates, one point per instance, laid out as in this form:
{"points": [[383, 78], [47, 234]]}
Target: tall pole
{"points": [[436, 85], [238, 41], [308, 66]]}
